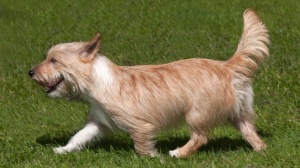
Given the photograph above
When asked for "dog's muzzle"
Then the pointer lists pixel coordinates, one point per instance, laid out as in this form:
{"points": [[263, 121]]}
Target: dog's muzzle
{"points": [[50, 86]]}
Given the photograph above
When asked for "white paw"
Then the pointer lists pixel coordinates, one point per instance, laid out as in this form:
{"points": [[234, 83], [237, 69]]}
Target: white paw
{"points": [[154, 153], [173, 153], [60, 150]]}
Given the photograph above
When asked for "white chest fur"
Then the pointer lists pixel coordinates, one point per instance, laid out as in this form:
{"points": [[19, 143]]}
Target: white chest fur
{"points": [[98, 114]]}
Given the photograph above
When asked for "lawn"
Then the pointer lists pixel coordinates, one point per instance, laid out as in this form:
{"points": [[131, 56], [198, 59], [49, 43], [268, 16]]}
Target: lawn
{"points": [[144, 32]]}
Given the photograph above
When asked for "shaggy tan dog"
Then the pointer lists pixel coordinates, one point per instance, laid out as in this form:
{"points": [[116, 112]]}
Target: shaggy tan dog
{"points": [[144, 100]]}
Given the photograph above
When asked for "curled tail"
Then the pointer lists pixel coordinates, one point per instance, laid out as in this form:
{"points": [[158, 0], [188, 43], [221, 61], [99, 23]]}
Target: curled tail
{"points": [[252, 48]]}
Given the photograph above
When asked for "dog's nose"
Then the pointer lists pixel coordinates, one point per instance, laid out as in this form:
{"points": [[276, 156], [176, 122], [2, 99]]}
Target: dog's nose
{"points": [[31, 73]]}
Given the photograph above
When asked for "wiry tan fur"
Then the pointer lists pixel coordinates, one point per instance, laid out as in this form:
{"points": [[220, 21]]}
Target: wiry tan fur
{"points": [[144, 100]]}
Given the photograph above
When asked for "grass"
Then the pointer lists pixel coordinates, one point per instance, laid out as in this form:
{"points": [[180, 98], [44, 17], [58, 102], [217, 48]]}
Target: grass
{"points": [[144, 32]]}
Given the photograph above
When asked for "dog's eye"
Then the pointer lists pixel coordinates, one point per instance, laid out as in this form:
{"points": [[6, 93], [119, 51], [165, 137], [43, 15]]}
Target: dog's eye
{"points": [[53, 60]]}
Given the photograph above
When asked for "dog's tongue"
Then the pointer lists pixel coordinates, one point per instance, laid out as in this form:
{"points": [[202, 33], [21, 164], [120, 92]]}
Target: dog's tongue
{"points": [[49, 87], [44, 84]]}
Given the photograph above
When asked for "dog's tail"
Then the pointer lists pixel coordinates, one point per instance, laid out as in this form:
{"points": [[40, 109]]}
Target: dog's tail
{"points": [[252, 48]]}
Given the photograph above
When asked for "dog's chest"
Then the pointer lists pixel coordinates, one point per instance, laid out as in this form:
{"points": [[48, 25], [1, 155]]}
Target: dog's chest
{"points": [[98, 114]]}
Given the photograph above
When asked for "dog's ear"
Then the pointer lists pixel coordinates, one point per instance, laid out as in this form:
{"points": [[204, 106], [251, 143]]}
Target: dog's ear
{"points": [[90, 50]]}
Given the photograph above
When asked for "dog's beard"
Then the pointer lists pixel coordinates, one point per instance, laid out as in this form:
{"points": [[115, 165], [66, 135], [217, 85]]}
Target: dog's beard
{"points": [[68, 88], [58, 92], [59, 86]]}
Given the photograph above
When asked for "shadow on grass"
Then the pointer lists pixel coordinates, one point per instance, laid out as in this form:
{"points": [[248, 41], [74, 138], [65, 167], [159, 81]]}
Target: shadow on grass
{"points": [[115, 142], [213, 145], [124, 143], [219, 144], [50, 140]]}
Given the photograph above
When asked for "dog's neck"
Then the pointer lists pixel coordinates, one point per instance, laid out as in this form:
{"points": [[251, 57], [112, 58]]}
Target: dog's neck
{"points": [[103, 71], [103, 80]]}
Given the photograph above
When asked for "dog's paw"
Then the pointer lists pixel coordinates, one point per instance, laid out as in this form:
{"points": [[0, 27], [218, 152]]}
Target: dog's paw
{"points": [[174, 153], [60, 150], [154, 153], [260, 146]]}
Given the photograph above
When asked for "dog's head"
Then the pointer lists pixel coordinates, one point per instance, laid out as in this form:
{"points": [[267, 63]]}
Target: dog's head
{"points": [[66, 70]]}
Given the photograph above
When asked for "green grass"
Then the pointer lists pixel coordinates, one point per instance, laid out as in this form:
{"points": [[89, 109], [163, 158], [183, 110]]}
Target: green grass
{"points": [[144, 32]]}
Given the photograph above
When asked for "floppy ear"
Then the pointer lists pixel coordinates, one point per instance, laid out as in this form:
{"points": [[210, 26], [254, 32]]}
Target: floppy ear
{"points": [[90, 50]]}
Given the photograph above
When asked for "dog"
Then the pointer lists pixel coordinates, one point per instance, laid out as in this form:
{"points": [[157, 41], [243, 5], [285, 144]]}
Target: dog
{"points": [[146, 99]]}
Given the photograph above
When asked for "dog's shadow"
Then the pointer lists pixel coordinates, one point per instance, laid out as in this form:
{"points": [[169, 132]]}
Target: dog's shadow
{"points": [[124, 143], [223, 144]]}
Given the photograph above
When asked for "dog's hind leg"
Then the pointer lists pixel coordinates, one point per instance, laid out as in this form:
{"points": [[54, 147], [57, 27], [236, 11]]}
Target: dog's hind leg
{"points": [[192, 146], [85, 136], [245, 122], [248, 130], [198, 127]]}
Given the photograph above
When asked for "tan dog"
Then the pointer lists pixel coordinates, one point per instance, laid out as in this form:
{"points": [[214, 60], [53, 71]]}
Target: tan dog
{"points": [[144, 100]]}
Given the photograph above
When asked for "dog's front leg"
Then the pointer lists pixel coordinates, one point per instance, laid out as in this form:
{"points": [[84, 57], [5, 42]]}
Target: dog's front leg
{"points": [[144, 140], [81, 139]]}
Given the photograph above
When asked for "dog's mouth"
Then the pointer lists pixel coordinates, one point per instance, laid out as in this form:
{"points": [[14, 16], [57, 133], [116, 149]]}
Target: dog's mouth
{"points": [[50, 87]]}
